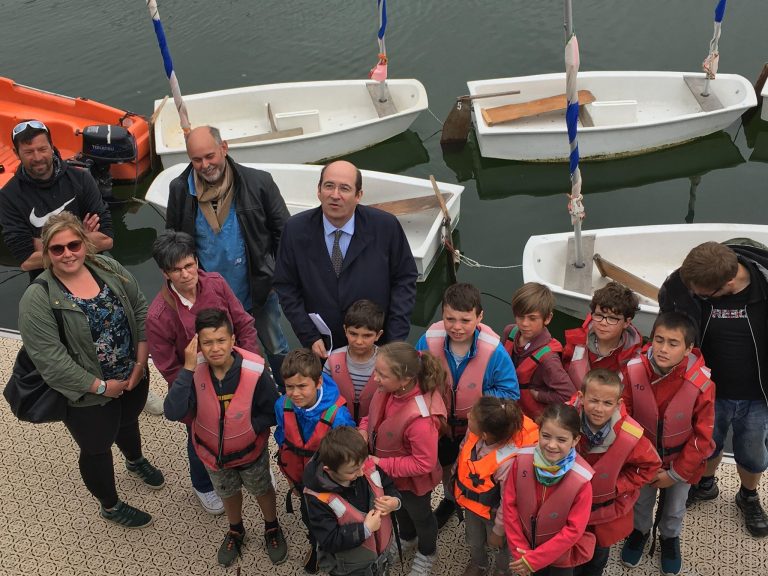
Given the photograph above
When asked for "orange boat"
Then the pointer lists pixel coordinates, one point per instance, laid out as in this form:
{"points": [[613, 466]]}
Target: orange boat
{"points": [[67, 118]]}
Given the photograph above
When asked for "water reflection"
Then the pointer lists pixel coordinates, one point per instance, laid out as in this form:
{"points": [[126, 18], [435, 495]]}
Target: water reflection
{"points": [[756, 131], [396, 155], [501, 178]]}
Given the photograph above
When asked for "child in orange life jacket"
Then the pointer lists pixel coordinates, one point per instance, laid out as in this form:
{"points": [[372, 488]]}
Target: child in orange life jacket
{"points": [[310, 407], [349, 502], [351, 366], [607, 339], [496, 428], [669, 392], [231, 399], [547, 499], [623, 459], [535, 354], [477, 365], [402, 427]]}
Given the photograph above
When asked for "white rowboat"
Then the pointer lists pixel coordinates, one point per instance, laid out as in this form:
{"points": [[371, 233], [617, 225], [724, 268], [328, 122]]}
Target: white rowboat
{"points": [[294, 122], [633, 113], [298, 185], [764, 109], [649, 252]]}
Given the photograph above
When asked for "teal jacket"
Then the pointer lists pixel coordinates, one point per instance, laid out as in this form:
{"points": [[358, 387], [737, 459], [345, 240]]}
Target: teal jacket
{"points": [[72, 369]]}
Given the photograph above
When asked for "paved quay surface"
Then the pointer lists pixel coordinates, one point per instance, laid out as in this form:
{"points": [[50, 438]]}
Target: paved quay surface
{"points": [[50, 526]]}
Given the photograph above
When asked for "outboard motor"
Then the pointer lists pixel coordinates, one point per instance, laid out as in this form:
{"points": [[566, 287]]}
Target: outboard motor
{"points": [[104, 145]]}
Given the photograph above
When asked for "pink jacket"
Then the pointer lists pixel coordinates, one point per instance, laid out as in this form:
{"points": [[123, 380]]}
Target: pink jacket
{"points": [[419, 440], [170, 325]]}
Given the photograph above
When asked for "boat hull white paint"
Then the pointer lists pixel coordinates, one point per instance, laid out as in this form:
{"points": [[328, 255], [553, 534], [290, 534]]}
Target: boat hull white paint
{"points": [[339, 117], [666, 114], [764, 108], [650, 252], [298, 185]]}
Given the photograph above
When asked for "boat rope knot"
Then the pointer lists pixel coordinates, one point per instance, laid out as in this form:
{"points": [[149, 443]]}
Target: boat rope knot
{"points": [[576, 207], [460, 258], [710, 64], [383, 58]]}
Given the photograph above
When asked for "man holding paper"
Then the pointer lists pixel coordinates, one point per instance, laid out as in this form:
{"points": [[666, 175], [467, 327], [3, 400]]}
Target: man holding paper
{"points": [[341, 252]]}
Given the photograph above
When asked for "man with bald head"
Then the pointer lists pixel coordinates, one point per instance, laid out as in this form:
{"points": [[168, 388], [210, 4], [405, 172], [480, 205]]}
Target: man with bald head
{"points": [[236, 215], [331, 256]]}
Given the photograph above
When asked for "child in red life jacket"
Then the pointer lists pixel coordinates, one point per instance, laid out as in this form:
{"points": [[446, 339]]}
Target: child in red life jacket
{"points": [[310, 407], [535, 354], [669, 392], [497, 428], [476, 364], [231, 399], [607, 339], [547, 499], [351, 366], [349, 502], [402, 427], [623, 459]]}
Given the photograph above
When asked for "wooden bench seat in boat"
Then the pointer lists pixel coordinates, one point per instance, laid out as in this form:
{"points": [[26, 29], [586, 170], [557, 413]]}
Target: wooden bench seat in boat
{"points": [[511, 112]]}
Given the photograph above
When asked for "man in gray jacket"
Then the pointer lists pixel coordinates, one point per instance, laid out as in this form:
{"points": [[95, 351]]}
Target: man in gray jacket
{"points": [[236, 215]]}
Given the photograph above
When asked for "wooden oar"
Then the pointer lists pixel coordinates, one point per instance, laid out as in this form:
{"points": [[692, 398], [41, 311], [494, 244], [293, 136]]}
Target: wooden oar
{"points": [[153, 157], [447, 240], [456, 125], [510, 112], [412, 205], [614, 272]]}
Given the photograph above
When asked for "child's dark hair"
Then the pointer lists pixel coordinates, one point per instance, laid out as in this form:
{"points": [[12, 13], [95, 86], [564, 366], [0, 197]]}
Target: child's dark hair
{"points": [[302, 362], [617, 298], [563, 415], [407, 362], [533, 297], [342, 445], [463, 298], [603, 377], [500, 418], [364, 314], [676, 321], [213, 318]]}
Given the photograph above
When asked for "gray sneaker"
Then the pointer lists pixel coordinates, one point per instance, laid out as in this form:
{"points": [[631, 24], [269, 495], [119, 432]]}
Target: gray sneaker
{"points": [[277, 547], [229, 551]]}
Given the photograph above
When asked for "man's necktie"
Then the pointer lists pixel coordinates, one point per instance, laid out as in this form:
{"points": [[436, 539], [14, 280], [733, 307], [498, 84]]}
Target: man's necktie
{"points": [[337, 258]]}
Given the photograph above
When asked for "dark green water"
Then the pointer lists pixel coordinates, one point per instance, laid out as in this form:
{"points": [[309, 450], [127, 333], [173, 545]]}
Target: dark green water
{"points": [[107, 51]]}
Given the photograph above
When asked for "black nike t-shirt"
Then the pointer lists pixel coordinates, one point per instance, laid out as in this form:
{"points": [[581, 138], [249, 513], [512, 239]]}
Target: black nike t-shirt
{"points": [[735, 340]]}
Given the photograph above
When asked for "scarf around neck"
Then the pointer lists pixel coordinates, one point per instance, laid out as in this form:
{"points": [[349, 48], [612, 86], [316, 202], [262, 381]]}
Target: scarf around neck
{"points": [[595, 438], [220, 192], [548, 473]]}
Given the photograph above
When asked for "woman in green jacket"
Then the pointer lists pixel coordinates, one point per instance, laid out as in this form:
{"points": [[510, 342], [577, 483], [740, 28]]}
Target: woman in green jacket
{"points": [[101, 369]]}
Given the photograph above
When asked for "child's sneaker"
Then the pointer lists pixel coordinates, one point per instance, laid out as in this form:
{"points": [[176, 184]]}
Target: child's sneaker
{"points": [[229, 550], [277, 547], [422, 565], [754, 515], [699, 493], [671, 562], [150, 475], [632, 551], [126, 516]]}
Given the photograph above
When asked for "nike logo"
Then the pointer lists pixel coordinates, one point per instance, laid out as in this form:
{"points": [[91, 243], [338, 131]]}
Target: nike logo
{"points": [[39, 221]]}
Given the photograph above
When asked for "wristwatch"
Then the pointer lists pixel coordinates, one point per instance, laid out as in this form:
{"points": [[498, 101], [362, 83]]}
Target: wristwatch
{"points": [[102, 387]]}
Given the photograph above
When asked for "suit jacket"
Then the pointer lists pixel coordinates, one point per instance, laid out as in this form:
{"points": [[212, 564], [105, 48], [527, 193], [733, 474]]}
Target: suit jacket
{"points": [[378, 266]]}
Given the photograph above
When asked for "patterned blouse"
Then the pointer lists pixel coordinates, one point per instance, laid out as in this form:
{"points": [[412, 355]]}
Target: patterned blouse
{"points": [[110, 331]]}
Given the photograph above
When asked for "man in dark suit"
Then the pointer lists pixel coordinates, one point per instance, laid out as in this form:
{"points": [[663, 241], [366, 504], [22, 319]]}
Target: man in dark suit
{"points": [[341, 252]]}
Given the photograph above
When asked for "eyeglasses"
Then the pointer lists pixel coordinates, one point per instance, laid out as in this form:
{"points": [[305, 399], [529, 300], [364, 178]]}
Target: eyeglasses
{"points": [[58, 249], [331, 186], [610, 320], [21, 126], [188, 268]]}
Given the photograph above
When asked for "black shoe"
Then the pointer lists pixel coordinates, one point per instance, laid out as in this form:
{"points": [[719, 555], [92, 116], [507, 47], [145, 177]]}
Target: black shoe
{"points": [[754, 515], [310, 561], [150, 475], [632, 551], [671, 561], [126, 516], [697, 493], [444, 511]]}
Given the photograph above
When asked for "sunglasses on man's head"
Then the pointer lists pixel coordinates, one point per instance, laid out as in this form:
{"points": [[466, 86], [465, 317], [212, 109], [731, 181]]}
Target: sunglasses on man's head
{"points": [[58, 249], [21, 126]]}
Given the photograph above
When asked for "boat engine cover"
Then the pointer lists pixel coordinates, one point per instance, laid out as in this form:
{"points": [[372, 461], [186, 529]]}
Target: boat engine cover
{"points": [[110, 144]]}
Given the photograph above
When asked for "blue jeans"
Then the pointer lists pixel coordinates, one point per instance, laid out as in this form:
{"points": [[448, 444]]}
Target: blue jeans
{"points": [[749, 419], [197, 472], [267, 322]]}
